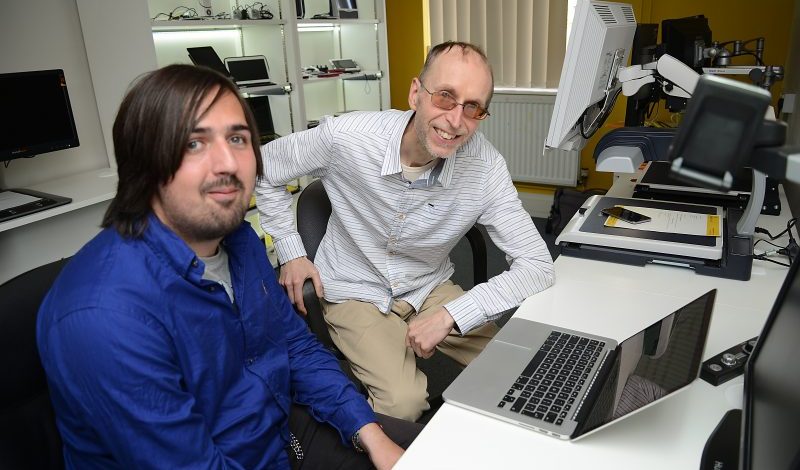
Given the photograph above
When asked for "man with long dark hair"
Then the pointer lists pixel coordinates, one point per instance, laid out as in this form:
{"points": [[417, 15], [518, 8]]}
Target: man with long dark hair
{"points": [[167, 341]]}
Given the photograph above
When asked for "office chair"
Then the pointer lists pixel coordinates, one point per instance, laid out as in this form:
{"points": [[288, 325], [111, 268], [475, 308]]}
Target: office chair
{"points": [[313, 211], [28, 434]]}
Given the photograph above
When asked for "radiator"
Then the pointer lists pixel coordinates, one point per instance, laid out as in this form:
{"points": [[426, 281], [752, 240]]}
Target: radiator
{"points": [[517, 127]]}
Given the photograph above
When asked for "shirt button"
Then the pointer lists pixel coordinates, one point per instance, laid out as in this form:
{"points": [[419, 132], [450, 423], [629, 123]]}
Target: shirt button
{"points": [[250, 361], [395, 284], [401, 216], [211, 289], [194, 263]]}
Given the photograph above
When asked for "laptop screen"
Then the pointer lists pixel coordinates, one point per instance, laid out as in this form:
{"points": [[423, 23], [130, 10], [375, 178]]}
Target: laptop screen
{"points": [[655, 362], [772, 386], [248, 69], [206, 56]]}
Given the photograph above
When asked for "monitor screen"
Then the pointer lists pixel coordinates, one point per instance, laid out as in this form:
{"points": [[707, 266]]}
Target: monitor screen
{"points": [[40, 114], [599, 43], [771, 412], [681, 36], [206, 56], [249, 69]]}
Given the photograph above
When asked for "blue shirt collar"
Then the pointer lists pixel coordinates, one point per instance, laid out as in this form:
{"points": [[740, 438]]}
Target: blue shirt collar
{"points": [[174, 251]]}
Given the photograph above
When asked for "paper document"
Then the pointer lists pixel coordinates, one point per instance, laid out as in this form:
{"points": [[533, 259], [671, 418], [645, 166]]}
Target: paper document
{"points": [[686, 223]]}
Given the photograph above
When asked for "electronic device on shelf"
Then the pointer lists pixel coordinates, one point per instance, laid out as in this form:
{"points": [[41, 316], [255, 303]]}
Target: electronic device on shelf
{"points": [[249, 71], [345, 65], [206, 56], [41, 122], [344, 9]]}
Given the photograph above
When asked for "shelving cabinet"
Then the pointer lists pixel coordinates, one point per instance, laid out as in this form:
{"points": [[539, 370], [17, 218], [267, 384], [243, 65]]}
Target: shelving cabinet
{"points": [[291, 46]]}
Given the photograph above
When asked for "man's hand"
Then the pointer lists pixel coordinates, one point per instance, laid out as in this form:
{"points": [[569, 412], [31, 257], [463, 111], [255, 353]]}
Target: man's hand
{"points": [[424, 333], [293, 274], [382, 451]]}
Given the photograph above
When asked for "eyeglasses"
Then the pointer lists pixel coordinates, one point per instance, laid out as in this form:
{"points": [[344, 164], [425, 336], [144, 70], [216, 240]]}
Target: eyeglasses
{"points": [[444, 100]]}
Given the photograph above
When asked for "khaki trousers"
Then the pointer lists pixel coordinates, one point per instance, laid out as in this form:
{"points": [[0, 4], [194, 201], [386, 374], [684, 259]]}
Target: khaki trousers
{"points": [[374, 345]]}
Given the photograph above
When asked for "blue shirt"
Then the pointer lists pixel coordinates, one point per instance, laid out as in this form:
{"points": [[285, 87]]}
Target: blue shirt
{"points": [[151, 366]]}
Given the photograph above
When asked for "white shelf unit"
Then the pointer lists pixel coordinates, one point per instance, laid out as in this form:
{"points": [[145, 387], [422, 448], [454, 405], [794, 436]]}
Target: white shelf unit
{"points": [[290, 44], [234, 38]]}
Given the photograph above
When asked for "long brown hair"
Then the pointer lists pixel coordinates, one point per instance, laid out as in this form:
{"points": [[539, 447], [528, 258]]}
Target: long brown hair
{"points": [[152, 128]]}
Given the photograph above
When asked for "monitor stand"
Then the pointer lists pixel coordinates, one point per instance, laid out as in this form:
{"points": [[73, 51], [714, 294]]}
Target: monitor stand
{"points": [[16, 203], [722, 448]]}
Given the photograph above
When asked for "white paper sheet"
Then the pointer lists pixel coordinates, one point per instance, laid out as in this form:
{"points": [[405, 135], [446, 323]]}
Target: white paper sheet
{"points": [[661, 220]]}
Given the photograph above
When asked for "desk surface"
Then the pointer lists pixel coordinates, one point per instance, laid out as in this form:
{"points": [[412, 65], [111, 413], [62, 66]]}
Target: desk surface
{"points": [[616, 300]]}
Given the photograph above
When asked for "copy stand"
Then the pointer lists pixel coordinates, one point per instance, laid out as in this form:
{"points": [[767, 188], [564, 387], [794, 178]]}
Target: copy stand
{"points": [[586, 236]]}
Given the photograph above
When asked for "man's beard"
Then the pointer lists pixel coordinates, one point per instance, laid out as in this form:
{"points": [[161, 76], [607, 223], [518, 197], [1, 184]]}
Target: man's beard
{"points": [[209, 224]]}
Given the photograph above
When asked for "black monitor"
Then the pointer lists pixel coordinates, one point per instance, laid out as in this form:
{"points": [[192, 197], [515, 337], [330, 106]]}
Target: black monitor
{"points": [[300, 6], [38, 114], [681, 37], [645, 42], [771, 412]]}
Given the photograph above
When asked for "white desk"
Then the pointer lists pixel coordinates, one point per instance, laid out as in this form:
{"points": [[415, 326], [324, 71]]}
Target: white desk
{"points": [[616, 300]]}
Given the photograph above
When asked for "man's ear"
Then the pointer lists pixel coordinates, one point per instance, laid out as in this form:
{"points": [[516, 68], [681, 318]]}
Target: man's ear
{"points": [[413, 91]]}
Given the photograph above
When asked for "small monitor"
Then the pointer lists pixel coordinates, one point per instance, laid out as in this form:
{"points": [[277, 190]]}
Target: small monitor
{"points": [[599, 44], [683, 38], [206, 56], [38, 114], [771, 414], [718, 132]]}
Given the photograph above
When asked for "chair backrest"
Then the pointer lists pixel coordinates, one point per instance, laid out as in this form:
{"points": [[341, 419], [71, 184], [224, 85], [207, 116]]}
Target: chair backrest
{"points": [[28, 434]]}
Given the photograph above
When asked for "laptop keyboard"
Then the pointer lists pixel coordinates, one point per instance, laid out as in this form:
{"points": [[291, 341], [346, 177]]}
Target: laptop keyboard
{"points": [[548, 387]]}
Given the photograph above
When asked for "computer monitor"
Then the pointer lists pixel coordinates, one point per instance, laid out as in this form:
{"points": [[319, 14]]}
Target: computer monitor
{"points": [[771, 414], [682, 36], [599, 44], [38, 114], [645, 44]]}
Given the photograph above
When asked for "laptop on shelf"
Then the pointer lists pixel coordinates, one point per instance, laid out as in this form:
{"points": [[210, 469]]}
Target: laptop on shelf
{"points": [[566, 383], [206, 56], [249, 71]]}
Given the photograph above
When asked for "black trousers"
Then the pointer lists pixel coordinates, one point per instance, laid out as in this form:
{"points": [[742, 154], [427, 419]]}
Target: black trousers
{"points": [[323, 448]]}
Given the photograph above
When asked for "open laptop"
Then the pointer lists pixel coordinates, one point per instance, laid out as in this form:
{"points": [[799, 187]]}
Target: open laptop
{"points": [[347, 65], [565, 383], [206, 56], [249, 71]]}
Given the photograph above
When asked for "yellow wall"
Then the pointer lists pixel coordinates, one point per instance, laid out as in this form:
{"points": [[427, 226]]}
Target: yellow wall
{"points": [[405, 28]]}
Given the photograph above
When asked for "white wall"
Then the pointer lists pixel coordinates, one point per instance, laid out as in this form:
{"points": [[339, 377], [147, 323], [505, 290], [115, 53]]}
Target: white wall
{"points": [[46, 34]]}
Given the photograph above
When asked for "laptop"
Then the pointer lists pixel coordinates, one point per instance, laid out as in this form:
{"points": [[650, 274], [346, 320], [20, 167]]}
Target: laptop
{"points": [[249, 71], [566, 383], [348, 65], [206, 56], [262, 111]]}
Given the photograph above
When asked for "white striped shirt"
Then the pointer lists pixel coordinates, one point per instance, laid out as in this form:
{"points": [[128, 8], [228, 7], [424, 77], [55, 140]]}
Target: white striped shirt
{"points": [[388, 238]]}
